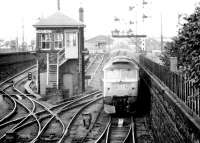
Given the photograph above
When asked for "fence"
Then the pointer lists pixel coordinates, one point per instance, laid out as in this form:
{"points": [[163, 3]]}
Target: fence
{"points": [[177, 83]]}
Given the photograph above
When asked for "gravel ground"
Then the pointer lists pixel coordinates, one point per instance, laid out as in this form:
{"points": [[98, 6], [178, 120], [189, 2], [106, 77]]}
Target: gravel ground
{"points": [[5, 108]]}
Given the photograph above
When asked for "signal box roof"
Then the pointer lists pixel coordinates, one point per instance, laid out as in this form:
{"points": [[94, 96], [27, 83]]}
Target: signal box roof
{"points": [[58, 19]]}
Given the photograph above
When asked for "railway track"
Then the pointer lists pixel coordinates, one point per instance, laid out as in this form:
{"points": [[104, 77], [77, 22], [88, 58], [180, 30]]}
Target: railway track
{"points": [[7, 99], [18, 111], [88, 68], [33, 121], [99, 125], [61, 112], [93, 69], [24, 106], [44, 118], [118, 130], [75, 121], [53, 119]]}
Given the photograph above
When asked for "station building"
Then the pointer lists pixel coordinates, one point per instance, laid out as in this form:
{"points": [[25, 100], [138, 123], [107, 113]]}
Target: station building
{"points": [[60, 41], [99, 44]]}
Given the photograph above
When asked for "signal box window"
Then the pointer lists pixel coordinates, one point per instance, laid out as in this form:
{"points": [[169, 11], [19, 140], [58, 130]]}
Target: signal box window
{"points": [[46, 41], [71, 39], [58, 40], [53, 40]]}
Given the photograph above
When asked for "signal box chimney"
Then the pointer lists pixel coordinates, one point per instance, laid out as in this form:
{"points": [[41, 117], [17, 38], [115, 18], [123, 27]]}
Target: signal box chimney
{"points": [[81, 14]]}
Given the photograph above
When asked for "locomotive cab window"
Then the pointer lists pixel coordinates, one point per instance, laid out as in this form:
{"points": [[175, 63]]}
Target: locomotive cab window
{"points": [[127, 74], [112, 74]]}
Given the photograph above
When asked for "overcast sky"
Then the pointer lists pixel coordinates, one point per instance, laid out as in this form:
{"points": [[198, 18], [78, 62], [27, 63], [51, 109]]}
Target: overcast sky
{"points": [[98, 15]]}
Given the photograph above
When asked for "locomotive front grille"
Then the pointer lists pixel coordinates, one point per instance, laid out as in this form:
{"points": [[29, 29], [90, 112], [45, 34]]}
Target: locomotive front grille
{"points": [[120, 103]]}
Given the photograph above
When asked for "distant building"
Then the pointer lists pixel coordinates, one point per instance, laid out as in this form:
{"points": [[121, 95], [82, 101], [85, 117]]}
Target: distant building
{"points": [[98, 44]]}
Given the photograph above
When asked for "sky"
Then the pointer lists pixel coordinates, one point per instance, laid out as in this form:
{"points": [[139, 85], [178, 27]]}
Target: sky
{"points": [[98, 16]]}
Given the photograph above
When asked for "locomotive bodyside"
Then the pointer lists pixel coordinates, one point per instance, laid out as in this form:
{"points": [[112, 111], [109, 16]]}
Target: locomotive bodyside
{"points": [[121, 79]]}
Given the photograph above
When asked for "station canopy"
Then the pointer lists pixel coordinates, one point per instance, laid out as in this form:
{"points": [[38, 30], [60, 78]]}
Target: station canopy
{"points": [[58, 19]]}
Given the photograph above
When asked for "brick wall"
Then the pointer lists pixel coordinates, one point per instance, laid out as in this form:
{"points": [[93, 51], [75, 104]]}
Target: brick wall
{"points": [[69, 67]]}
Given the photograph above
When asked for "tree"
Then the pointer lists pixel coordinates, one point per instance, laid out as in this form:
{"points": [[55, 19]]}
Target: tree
{"points": [[7, 43], [32, 45], [171, 49], [189, 38], [13, 44], [186, 47], [24, 46], [1, 41]]}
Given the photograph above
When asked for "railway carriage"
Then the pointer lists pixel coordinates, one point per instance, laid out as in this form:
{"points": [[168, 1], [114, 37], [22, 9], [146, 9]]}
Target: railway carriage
{"points": [[120, 85]]}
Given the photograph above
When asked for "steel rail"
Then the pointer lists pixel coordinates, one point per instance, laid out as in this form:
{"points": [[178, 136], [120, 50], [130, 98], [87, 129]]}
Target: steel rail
{"points": [[63, 109], [52, 108], [123, 137], [55, 115], [108, 131], [26, 108], [49, 116], [133, 130], [15, 104], [31, 113], [33, 109], [74, 117], [94, 73], [91, 63], [20, 73], [20, 121], [104, 132], [128, 134]]}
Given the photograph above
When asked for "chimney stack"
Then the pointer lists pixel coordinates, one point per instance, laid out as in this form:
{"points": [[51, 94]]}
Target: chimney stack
{"points": [[81, 14]]}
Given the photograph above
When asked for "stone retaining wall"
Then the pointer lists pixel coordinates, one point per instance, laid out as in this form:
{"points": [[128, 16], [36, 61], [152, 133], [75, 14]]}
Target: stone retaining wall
{"points": [[13, 65], [168, 122]]}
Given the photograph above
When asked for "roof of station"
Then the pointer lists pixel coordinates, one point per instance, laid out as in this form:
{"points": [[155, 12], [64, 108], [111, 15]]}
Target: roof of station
{"points": [[100, 38], [58, 19]]}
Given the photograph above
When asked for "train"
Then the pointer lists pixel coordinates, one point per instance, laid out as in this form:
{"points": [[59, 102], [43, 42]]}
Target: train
{"points": [[120, 84]]}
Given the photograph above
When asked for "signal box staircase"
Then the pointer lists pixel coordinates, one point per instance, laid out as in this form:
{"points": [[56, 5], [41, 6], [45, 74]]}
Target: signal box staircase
{"points": [[54, 61]]}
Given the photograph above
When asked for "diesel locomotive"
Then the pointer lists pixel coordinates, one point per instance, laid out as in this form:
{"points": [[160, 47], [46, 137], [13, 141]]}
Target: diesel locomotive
{"points": [[120, 84]]}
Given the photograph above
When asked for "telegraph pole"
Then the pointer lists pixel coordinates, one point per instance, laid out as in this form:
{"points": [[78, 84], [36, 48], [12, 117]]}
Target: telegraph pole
{"points": [[23, 34], [58, 5], [143, 24], [17, 43], [161, 33]]}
